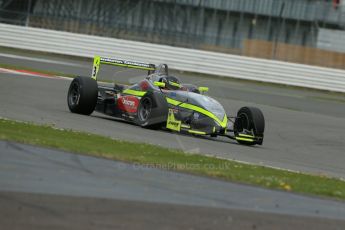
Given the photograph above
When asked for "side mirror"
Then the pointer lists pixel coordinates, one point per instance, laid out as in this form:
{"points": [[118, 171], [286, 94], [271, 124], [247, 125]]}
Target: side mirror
{"points": [[203, 89], [159, 84]]}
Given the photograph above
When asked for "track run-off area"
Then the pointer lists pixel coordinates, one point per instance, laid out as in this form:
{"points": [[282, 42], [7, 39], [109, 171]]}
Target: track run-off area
{"points": [[304, 132]]}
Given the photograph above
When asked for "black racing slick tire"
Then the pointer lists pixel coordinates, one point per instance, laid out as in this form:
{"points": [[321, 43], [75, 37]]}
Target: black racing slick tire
{"points": [[251, 119], [152, 110], [82, 95]]}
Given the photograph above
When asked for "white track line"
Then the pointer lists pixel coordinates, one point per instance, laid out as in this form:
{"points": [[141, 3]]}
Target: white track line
{"points": [[42, 60]]}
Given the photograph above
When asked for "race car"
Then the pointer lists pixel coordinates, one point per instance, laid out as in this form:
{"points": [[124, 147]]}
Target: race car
{"points": [[161, 101]]}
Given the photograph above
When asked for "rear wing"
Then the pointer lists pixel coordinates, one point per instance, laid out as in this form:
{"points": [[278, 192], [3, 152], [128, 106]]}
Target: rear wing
{"points": [[97, 61]]}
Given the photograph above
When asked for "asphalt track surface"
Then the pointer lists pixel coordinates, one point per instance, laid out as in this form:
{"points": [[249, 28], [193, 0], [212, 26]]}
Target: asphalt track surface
{"points": [[304, 132], [49, 189], [304, 129]]}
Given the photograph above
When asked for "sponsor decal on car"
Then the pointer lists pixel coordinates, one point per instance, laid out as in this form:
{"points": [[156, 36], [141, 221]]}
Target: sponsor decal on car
{"points": [[128, 103], [172, 123], [124, 62]]}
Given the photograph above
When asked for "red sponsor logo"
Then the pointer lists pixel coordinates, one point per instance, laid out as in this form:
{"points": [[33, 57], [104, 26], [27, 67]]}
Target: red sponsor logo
{"points": [[128, 104]]}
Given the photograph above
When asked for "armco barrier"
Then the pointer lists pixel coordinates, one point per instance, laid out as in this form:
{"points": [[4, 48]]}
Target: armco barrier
{"points": [[178, 58]]}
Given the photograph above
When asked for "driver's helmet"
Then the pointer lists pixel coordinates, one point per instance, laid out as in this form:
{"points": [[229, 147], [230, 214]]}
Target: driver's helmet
{"points": [[171, 82]]}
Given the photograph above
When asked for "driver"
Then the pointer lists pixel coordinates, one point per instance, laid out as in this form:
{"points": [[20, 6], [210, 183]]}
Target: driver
{"points": [[171, 82]]}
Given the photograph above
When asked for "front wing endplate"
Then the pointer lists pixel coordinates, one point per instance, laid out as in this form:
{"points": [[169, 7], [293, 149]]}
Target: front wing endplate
{"points": [[172, 123]]}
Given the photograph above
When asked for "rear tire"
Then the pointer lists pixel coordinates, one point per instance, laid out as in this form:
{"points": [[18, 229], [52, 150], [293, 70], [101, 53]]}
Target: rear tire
{"points": [[251, 119], [82, 95]]}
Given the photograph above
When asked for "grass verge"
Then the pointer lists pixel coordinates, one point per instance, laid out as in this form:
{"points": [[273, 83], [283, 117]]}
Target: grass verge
{"points": [[169, 159]]}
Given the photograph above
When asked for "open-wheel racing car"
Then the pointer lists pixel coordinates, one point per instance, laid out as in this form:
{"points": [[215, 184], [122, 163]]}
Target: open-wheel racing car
{"points": [[162, 101]]}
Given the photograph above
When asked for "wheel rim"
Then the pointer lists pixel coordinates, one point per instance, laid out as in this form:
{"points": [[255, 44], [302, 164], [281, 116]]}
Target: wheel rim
{"points": [[74, 94], [145, 109]]}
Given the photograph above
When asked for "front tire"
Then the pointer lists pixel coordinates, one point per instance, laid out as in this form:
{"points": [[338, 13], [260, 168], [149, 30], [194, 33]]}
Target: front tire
{"points": [[250, 119], [82, 95]]}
